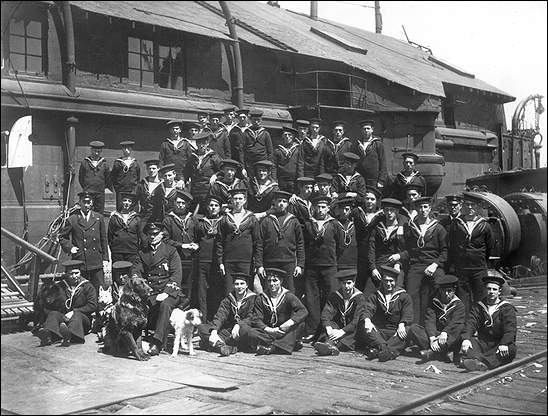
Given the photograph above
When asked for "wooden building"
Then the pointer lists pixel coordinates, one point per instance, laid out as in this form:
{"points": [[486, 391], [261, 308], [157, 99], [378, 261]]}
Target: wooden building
{"points": [[112, 71]]}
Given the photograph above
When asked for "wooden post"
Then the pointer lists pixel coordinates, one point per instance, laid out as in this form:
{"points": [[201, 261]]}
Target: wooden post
{"points": [[34, 279]]}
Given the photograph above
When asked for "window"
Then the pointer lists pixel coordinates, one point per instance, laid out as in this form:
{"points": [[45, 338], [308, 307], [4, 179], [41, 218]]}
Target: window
{"points": [[151, 63], [27, 46]]}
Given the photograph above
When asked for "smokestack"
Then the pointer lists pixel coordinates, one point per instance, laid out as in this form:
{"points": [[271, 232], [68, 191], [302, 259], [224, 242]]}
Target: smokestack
{"points": [[314, 10], [378, 17]]}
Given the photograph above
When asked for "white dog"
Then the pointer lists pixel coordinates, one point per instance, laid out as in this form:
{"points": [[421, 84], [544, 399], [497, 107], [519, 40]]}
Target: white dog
{"points": [[184, 323]]}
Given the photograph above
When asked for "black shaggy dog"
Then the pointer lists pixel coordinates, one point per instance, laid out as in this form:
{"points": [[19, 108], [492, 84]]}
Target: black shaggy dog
{"points": [[51, 297], [127, 320]]}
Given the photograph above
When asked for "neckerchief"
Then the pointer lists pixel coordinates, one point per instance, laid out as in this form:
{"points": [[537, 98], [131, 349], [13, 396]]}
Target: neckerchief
{"points": [[364, 146], [126, 163], [346, 304], [386, 304], [273, 303], [125, 221], [68, 302], [177, 144], [183, 222], [305, 203], [94, 163], [340, 143], [211, 225], [310, 143], [279, 228], [150, 187], [226, 186], [408, 179], [202, 158], [191, 143], [469, 231], [421, 234], [319, 229], [348, 230], [255, 133], [362, 215], [236, 305], [445, 308], [262, 189], [347, 181], [489, 321], [386, 234], [288, 152], [235, 226]]}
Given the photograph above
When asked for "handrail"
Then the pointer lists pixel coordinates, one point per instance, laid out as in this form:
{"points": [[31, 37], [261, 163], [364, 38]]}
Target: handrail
{"points": [[29, 246]]}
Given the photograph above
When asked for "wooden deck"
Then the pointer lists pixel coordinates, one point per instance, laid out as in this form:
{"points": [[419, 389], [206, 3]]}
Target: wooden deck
{"points": [[78, 379]]}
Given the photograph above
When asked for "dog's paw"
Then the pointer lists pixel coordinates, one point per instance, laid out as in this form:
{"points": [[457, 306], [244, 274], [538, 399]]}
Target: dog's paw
{"points": [[142, 356], [192, 353], [174, 355]]}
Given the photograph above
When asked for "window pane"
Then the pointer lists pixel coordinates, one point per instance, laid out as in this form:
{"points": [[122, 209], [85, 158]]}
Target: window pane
{"points": [[146, 47], [134, 45], [17, 27], [148, 78], [163, 51], [34, 64], [34, 46], [133, 60], [147, 62], [18, 62], [17, 44], [34, 28], [134, 75]]}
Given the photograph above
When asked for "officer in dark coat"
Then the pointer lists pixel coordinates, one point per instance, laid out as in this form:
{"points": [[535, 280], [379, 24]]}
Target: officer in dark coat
{"points": [[278, 318], [340, 316], [160, 265], [72, 324], [385, 321], [94, 176], [84, 237], [235, 310], [494, 321], [443, 322], [125, 173]]}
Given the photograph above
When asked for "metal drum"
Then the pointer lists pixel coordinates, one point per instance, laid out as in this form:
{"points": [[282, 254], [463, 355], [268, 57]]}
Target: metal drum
{"points": [[431, 168], [504, 221]]}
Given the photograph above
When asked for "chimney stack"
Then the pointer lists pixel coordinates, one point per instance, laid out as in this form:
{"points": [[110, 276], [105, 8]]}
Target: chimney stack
{"points": [[378, 17], [314, 10]]}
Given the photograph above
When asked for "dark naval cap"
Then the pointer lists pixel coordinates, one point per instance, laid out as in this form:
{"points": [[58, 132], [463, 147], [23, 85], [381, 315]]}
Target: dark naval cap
{"points": [[96, 144], [388, 271], [446, 280], [121, 265], [346, 274], [493, 276], [72, 264]]}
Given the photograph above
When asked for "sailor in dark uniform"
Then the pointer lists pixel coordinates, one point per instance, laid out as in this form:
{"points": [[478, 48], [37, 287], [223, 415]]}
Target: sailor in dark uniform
{"points": [[219, 142], [261, 188], [203, 121], [74, 322], [384, 324], [314, 150], [160, 265], [299, 203], [237, 139], [168, 187], [370, 149], [324, 185], [409, 174], [494, 321], [230, 120], [342, 211], [281, 243], [94, 176], [149, 195], [426, 253], [454, 205], [125, 230], [227, 180], [348, 180], [180, 226], [338, 146], [287, 167], [223, 334], [125, 173], [84, 237], [443, 322], [302, 127], [413, 191], [174, 149], [340, 316], [278, 318], [257, 143]]}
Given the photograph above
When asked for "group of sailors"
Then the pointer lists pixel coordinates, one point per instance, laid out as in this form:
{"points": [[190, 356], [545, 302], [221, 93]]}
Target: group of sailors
{"points": [[309, 242]]}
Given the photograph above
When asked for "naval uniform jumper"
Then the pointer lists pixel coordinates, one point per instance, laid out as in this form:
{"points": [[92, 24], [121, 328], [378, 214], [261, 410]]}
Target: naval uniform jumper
{"points": [[340, 313], [422, 248], [200, 169], [281, 245], [349, 256], [94, 177], [176, 153], [181, 230], [324, 244], [219, 142], [256, 146], [471, 248], [222, 189], [124, 236], [440, 317], [335, 157], [236, 245], [402, 181], [230, 312], [209, 277], [124, 177], [301, 208], [351, 183], [383, 242], [364, 223], [494, 327], [90, 236], [386, 315], [287, 166], [372, 164], [313, 158], [260, 196], [149, 195], [273, 312], [161, 267]]}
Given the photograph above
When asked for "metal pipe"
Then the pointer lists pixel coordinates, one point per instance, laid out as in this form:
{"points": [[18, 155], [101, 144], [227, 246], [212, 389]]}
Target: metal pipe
{"points": [[70, 64], [378, 17], [237, 54], [314, 10], [27, 245], [70, 171]]}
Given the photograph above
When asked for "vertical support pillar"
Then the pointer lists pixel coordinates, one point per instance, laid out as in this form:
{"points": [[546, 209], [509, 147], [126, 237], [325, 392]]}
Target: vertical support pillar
{"points": [[70, 171]]}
